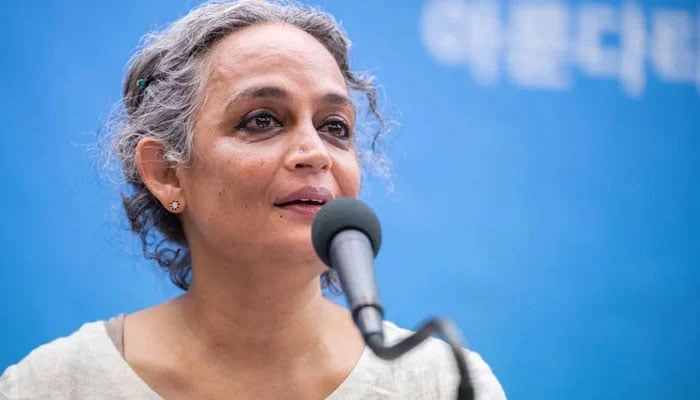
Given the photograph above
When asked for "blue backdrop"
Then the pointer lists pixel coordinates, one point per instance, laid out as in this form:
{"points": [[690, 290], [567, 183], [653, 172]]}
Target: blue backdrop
{"points": [[547, 193]]}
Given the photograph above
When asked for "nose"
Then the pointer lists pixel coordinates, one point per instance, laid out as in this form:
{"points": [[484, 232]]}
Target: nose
{"points": [[308, 151]]}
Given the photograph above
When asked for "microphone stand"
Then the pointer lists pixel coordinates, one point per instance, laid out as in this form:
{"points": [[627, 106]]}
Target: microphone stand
{"points": [[444, 327], [341, 237]]}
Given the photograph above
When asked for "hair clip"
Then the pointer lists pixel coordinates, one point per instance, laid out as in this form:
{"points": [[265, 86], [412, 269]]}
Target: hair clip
{"points": [[143, 82]]}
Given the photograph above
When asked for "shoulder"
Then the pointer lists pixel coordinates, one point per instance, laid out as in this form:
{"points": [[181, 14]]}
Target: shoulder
{"points": [[61, 368], [430, 369]]}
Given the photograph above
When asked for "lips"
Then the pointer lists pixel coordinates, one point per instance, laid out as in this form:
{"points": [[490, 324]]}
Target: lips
{"points": [[306, 196]]}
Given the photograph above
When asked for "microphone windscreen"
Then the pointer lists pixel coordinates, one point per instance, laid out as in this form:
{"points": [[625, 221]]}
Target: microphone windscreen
{"points": [[339, 215]]}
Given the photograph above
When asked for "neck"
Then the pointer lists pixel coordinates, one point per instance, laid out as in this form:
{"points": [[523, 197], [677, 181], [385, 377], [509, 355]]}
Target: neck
{"points": [[255, 320], [269, 324]]}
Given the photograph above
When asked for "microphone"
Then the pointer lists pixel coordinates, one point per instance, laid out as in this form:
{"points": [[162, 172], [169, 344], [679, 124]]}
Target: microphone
{"points": [[346, 235]]}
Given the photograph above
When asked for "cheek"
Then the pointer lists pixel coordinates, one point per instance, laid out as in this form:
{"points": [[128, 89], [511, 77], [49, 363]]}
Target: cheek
{"points": [[230, 181], [245, 180], [347, 175]]}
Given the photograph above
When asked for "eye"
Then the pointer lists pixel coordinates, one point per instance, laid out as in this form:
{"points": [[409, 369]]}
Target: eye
{"points": [[258, 122], [336, 127]]}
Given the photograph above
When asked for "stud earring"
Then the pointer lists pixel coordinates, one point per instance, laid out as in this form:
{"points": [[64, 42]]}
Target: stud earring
{"points": [[174, 206]]}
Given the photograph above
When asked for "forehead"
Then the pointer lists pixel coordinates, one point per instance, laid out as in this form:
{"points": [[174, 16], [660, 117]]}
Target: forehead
{"points": [[273, 51]]}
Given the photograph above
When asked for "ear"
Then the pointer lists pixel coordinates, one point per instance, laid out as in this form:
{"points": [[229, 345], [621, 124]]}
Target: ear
{"points": [[157, 173]]}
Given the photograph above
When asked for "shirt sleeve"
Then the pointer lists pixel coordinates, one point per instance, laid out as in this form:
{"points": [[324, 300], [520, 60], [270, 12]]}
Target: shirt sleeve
{"points": [[8, 388], [485, 383]]}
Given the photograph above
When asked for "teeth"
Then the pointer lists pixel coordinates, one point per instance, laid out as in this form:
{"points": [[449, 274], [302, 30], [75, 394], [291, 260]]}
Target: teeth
{"points": [[312, 201]]}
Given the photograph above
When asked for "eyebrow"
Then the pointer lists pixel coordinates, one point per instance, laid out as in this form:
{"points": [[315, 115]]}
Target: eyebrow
{"points": [[337, 99], [278, 93]]}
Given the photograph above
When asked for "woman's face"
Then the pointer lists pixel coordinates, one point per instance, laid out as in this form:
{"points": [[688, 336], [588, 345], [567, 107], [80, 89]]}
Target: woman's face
{"points": [[273, 137]]}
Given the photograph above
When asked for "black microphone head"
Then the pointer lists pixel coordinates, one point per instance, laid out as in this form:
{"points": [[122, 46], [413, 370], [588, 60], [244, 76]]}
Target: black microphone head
{"points": [[341, 214]]}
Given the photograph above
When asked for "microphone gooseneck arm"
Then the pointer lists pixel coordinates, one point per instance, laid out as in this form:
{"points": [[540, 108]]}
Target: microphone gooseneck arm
{"points": [[450, 334]]}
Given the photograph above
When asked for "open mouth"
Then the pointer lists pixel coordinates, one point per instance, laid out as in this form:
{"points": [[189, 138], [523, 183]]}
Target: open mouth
{"points": [[306, 201], [303, 202]]}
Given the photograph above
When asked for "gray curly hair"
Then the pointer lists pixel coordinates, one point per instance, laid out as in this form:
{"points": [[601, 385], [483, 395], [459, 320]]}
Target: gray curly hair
{"points": [[162, 94]]}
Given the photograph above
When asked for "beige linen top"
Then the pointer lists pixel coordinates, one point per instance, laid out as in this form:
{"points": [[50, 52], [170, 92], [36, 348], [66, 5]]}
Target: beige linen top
{"points": [[88, 365]]}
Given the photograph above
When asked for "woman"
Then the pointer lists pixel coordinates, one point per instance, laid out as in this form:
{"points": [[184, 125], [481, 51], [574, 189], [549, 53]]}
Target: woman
{"points": [[238, 127]]}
